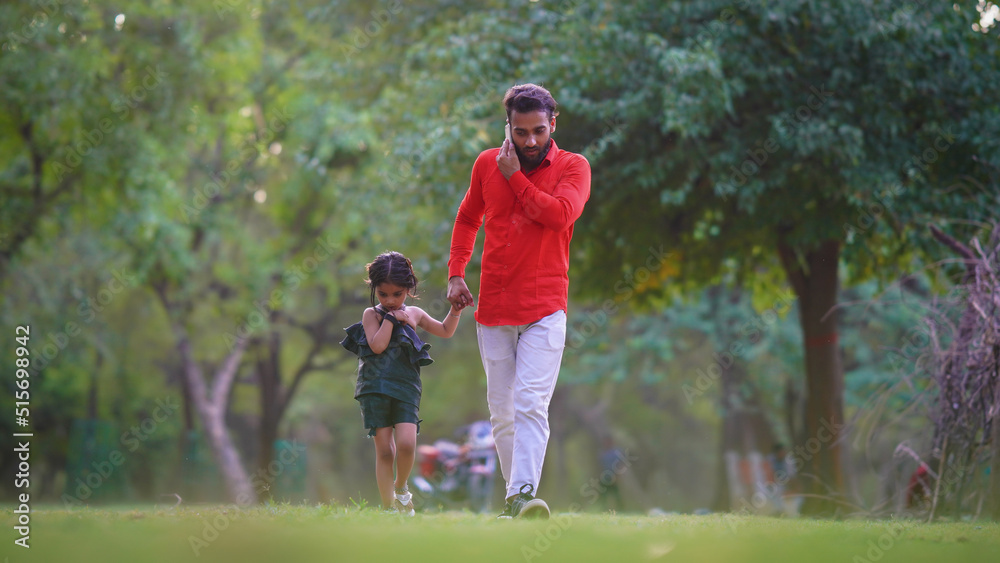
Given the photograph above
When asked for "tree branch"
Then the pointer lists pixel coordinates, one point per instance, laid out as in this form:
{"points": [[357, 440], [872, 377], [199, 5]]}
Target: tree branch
{"points": [[789, 260], [317, 330], [947, 240], [224, 377], [968, 256]]}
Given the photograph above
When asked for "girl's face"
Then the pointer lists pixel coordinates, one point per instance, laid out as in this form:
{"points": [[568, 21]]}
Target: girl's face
{"points": [[390, 295]]}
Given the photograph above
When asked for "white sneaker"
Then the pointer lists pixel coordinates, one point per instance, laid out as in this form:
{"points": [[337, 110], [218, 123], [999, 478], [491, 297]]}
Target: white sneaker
{"points": [[404, 503]]}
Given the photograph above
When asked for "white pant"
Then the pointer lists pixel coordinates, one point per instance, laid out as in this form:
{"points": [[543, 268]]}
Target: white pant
{"points": [[522, 365]]}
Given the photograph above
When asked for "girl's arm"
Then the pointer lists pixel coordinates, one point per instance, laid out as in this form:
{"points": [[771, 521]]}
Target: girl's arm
{"points": [[444, 329], [377, 333]]}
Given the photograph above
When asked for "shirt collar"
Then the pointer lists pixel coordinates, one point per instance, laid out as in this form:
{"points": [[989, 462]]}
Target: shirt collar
{"points": [[550, 157]]}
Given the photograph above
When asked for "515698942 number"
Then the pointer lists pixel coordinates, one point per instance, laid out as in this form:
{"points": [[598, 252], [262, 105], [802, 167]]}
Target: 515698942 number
{"points": [[22, 334]]}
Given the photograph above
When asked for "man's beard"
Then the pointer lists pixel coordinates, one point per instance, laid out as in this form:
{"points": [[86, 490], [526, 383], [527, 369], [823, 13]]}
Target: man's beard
{"points": [[531, 163]]}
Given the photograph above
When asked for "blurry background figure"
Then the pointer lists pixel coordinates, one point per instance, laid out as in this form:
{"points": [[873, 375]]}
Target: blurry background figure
{"points": [[784, 486], [918, 490], [457, 475], [481, 455], [612, 468], [765, 484]]}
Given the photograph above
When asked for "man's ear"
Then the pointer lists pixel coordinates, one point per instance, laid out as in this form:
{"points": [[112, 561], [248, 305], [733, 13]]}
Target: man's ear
{"points": [[552, 125]]}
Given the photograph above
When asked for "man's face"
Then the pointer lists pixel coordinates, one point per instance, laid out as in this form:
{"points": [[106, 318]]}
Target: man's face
{"points": [[531, 133]]}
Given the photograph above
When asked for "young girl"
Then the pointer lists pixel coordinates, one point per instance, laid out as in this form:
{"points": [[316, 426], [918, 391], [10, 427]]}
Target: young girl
{"points": [[390, 356]]}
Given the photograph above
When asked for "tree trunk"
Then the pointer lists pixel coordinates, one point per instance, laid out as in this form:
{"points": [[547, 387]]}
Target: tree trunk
{"points": [[994, 497], [212, 411], [92, 392], [793, 410], [177, 480], [747, 440], [269, 379], [722, 500], [993, 506], [813, 275], [746, 433]]}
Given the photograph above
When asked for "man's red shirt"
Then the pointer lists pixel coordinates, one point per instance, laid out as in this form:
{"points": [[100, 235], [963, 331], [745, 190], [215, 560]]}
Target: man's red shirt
{"points": [[529, 224]]}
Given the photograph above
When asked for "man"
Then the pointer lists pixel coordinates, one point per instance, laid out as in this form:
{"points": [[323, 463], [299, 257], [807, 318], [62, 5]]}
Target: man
{"points": [[530, 193]]}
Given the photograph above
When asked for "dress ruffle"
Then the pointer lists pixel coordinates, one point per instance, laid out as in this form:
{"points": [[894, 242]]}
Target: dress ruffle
{"points": [[416, 349]]}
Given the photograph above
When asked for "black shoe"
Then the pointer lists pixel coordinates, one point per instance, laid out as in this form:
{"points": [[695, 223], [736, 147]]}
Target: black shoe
{"points": [[506, 514], [526, 506]]}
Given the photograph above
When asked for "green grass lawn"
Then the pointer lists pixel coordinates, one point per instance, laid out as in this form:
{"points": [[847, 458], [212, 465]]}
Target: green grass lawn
{"points": [[292, 534]]}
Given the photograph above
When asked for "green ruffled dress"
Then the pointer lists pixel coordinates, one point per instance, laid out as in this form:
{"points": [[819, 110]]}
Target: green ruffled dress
{"points": [[396, 371]]}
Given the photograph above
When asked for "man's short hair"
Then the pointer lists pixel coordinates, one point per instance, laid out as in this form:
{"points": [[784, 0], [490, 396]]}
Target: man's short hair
{"points": [[525, 98]]}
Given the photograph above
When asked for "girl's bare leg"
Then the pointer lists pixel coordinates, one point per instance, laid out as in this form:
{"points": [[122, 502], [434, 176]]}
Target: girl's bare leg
{"points": [[385, 455], [406, 447]]}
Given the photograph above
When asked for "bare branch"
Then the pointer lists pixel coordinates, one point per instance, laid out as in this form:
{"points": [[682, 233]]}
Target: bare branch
{"points": [[951, 243], [223, 381]]}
